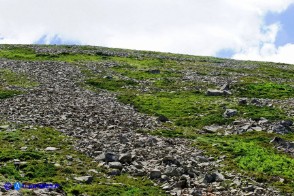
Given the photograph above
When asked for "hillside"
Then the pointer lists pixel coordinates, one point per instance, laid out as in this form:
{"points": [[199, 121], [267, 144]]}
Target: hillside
{"points": [[102, 121]]}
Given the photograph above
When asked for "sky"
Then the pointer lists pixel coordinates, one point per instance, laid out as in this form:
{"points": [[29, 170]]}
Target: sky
{"points": [[260, 30]]}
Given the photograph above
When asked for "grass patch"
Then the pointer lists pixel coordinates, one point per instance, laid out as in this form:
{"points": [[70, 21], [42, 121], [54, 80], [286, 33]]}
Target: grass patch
{"points": [[38, 165], [196, 109], [111, 84], [253, 154], [10, 78], [266, 90], [8, 93]]}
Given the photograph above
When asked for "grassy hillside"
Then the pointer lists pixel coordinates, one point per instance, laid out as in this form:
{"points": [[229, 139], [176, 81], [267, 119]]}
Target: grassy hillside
{"points": [[173, 88]]}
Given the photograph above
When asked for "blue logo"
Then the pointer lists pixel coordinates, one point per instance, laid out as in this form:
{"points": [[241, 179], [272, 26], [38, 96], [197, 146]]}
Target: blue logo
{"points": [[17, 186], [7, 186]]}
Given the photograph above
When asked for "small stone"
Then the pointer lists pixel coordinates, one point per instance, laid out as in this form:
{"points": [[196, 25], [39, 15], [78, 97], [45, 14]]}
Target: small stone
{"points": [[242, 101], [125, 158], [4, 126], [286, 123], [111, 157], [93, 171], [230, 112], [213, 92], [248, 189], [51, 149], [23, 148], [154, 71], [256, 128], [114, 172], [212, 128], [214, 177], [69, 157], [225, 87], [162, 118], [57, 165], [172, 171], [115, 165], [154, 174], [84, 179]]}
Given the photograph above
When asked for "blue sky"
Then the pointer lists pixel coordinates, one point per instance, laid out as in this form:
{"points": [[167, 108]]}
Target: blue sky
{"points": [[286, 20], [248, 30]]}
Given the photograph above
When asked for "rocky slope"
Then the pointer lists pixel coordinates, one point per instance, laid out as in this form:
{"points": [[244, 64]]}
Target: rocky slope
{"points": [[119, 137]]}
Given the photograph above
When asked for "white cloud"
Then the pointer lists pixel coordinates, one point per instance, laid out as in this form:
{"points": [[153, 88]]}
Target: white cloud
{"points": [[269, 52], [201, 27]]}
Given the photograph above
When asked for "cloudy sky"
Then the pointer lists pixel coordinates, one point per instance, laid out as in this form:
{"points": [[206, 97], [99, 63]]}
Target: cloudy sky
{"points": [[250, 29]]}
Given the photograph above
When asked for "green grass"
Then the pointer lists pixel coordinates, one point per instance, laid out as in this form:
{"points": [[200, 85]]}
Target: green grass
{"points": [[266, 90], [8, 93], [39, 165], [253, 155], [10, 78], [25, 53], [112, 84], [196, 109]]}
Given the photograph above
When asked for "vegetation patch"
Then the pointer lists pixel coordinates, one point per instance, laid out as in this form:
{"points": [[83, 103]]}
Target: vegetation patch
{"points": [[10, 78], [252, 154], [38, 165], [195, 109], [111, 84], [4, 93], [266, 90]]}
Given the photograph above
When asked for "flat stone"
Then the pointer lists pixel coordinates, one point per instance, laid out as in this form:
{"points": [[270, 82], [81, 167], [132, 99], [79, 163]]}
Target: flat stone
{"points": [[256, 128], [214, 92], [115, 165], [4, 126], [51, 149], [212, 128], [154, 174], [84, 179]]}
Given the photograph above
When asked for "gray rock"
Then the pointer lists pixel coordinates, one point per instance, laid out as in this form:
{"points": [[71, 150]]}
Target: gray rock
{"points": [[4, 127], [257, 128], [213, 177], [162, 118], [173, 171], [51, 149], [111, 157], [286, 123], [115, 165], [155, 174], [114, 172], [281, 129], [225, 87], [154, 71], [230, 112], [242, 101], [125, 158], [212, 128], [214, 92], [84, 179]]}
